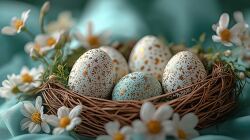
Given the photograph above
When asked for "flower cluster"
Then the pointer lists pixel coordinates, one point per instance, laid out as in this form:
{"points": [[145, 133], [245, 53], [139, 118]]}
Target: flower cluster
{"points": [[155, 124], [237, 35], [236, 57], [24, 82], [35, 121]]}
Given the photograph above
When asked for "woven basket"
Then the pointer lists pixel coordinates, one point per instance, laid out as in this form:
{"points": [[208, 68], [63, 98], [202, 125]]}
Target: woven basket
{"points": [[211, 99]]}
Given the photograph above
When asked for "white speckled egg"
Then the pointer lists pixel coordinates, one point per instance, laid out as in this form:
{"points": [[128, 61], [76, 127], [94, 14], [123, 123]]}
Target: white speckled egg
{"points": [[92, 74], [149, 55], [136, 86], [120, 65], [183, 69]]}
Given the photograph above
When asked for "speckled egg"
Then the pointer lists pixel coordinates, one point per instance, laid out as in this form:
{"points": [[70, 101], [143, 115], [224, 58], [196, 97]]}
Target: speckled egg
{"points": [[149, 55], [120, 65], [183, 69], [92, 74], [136, 86]]}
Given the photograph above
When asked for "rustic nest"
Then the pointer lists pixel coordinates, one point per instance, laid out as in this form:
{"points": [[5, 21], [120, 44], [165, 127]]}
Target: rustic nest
{"points": [[211, 99]]}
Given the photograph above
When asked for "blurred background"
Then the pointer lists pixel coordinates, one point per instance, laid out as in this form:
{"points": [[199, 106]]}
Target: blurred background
{"points": [[178, 21]]}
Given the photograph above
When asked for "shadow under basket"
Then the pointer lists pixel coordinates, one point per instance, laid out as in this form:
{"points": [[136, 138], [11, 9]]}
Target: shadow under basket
{"points": [[210, 99]]}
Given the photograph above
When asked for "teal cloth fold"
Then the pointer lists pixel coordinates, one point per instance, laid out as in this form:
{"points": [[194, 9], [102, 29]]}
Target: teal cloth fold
{"points": [[175, 19]]}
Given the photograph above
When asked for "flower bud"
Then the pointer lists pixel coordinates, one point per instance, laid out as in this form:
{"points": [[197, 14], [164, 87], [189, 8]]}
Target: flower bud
{"points": [[45, 7]]}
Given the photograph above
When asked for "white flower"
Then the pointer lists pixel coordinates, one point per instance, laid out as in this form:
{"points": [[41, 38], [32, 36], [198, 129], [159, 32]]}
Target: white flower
{"points": [[48, 41], [35, 121], [185, 127], [225, 35], [63, 23], [10, 86], [66, 119], [154, 124], [239, 18], [91, 41], [16, 24], [115, 133], [30, 79]]}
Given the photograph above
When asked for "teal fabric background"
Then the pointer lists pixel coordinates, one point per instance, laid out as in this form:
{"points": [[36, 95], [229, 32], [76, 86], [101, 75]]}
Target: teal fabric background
{"points": [[177, 20]]}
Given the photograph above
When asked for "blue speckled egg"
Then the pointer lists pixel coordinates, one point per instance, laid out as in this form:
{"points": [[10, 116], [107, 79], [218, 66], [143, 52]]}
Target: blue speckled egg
{"points": [[136, 86]]}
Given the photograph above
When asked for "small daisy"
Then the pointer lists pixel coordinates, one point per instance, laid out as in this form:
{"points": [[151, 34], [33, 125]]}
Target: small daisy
{"points": [[154, 124], [35, 121], [225, 35], [30, 79], [48, 41], [66, 120], [115, 133], [185, 127], [92, 41], [63, 23], [16, 24], [10, 86]]}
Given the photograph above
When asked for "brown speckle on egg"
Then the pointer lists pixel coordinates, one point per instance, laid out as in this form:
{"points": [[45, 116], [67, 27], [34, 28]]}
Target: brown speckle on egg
{"points": [[182, 70], [153, 58]]}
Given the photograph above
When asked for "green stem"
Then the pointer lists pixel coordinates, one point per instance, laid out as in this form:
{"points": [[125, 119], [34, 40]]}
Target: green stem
{"points": [[41, 20], [28, 32]]}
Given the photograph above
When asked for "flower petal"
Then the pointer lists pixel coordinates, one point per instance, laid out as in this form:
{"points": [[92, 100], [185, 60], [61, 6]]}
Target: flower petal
{"points": [[216, 38], [228, 44], [169, 127], [41, 39], [224, 20], [25, 15], [214, 27], [25, 112], [192, 133], [112, 127], [76, 111], [163, 112], [62, 112], [51, 119], [25, 123], [45, 127], [139, 126], [147, 111], [176, 118], [29, 107], [126, 130], [8, 30], [189, 120], [238, 16], [74, 122], [58, 131], [38, 102]]}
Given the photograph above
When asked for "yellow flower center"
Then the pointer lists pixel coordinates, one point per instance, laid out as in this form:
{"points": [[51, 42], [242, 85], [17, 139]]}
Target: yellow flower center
{"points": [[18, 24], [118, 136], [225, 35], [51, 41], [182, 134], [36, 118], [27, 78], [154, 127], [93, 41], [15, 90], [64, 121]]}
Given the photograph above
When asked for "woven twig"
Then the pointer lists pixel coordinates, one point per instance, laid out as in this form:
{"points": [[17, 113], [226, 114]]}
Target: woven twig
{"points": [[211, 99]]}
